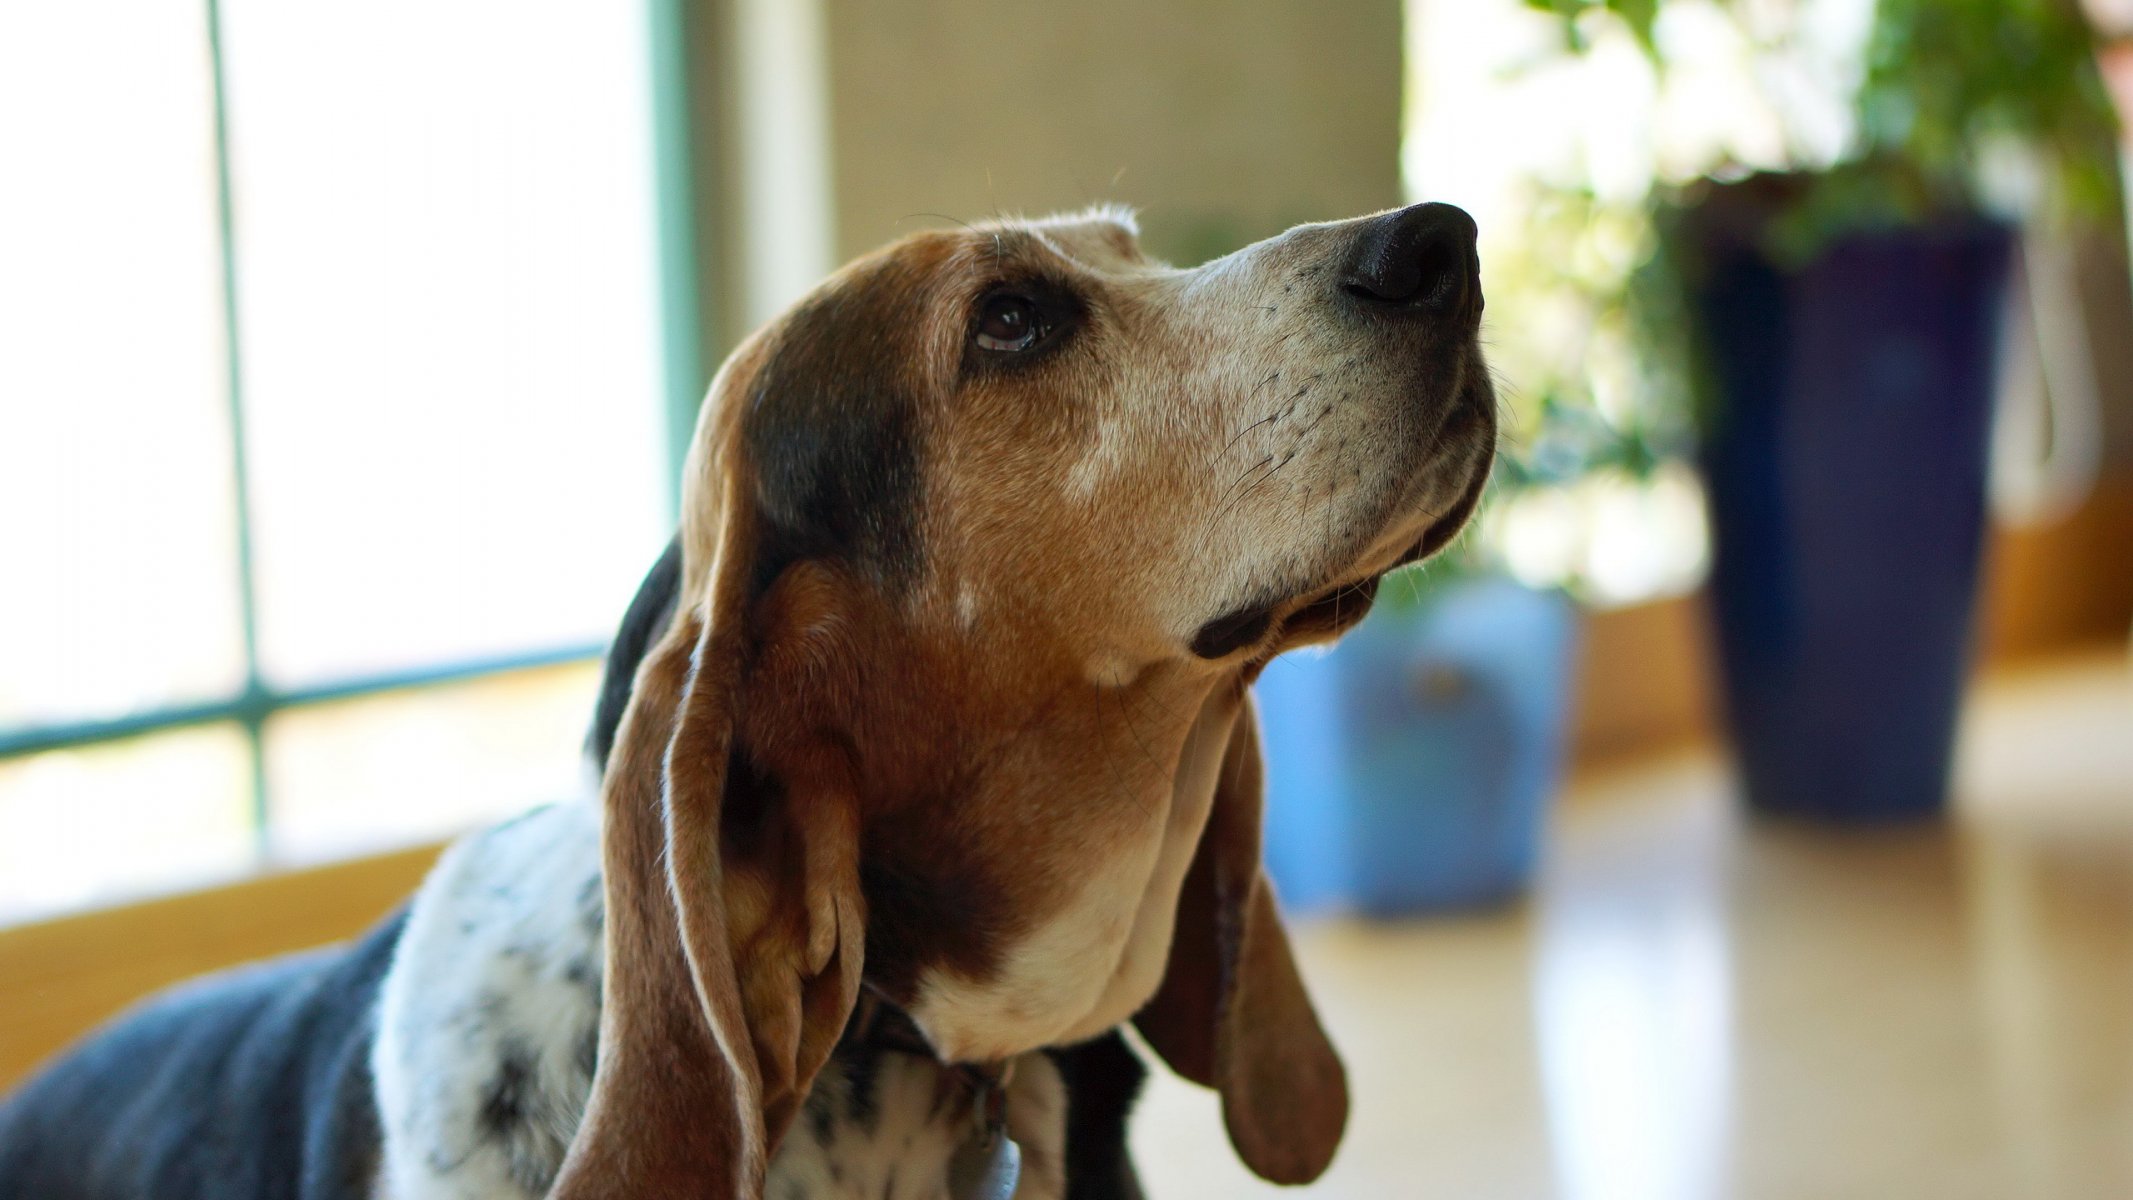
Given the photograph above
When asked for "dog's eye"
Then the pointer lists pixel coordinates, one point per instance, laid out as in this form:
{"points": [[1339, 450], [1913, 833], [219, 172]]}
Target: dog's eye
{"points": [[1009, 322]]}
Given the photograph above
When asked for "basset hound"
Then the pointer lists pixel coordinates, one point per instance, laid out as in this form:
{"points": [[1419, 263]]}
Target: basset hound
{"points": [[929, 763]]}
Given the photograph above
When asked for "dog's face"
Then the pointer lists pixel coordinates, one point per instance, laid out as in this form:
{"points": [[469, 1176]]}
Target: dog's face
{"points": [[981, 543], [1047, 432]]}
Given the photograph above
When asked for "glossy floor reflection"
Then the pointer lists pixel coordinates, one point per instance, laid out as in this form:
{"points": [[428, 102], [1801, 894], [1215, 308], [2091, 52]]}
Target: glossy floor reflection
{"points": [[1698, 1006]]}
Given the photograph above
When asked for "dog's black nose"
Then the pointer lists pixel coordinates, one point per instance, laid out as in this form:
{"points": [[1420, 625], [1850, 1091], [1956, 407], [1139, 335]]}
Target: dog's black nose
{"points": [[1419, 259]]}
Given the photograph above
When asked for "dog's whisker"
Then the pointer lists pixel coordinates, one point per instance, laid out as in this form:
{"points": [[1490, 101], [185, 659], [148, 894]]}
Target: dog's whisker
{"points": [[1261, 481], [1239, 480], [938, 217], [1268, 419], [1233, 497]]}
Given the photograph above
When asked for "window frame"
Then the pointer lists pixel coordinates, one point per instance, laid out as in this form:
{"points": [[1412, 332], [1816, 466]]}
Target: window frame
{"points": [[682, 138]]}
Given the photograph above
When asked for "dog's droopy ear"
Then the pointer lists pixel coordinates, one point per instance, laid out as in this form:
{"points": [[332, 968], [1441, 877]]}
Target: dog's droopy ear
{"points": [[735, 925], [1232, 1013]]}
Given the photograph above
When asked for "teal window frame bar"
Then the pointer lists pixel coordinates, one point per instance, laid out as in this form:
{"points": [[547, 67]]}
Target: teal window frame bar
{"points": [[682, 309]]}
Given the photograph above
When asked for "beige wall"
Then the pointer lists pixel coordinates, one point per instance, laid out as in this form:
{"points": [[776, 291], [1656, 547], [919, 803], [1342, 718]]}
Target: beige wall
{"points": [[1221, 120], [2100, 268]]}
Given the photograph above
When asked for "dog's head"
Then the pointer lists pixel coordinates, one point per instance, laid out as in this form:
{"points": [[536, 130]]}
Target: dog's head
{"points": [[981, 544]]}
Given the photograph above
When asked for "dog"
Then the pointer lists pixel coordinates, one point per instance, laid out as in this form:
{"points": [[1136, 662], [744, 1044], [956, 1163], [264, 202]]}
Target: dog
{"points": [[943, 754]]}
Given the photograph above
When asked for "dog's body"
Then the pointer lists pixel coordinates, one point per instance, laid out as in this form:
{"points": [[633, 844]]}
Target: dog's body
{"points": [[937, 707], [462, 1072]]}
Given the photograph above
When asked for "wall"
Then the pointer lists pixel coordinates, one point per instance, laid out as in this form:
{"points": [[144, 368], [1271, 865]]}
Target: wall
{"points": [[1222, 120]]}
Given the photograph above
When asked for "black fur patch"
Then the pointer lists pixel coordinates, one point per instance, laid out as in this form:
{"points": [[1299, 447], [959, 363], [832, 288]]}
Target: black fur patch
{"points": [[511, 1115], [935, 905], [821, 1120], [1336, 611], [1232, 631], [504, 1100], [862, 1075], [648, 614], [1103, 1080], [831, 431]]}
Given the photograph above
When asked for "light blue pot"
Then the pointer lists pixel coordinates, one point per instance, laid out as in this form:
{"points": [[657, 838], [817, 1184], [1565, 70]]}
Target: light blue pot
{"points": [[1410, 768]]}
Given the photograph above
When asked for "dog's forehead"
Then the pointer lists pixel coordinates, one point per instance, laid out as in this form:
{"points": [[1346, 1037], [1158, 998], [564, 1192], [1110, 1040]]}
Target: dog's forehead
{"points": [[931, 272], [1103, 240]]}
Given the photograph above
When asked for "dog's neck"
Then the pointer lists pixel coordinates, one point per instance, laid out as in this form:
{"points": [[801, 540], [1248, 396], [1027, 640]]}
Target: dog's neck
{"points": [[1024, 830], [1060, 930]]}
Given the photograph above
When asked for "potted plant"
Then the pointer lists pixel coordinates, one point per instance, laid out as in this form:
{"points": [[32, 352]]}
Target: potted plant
{"points": [[1834, 330]]}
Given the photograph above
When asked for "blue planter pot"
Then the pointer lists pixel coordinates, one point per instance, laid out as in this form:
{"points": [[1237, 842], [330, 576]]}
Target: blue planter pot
{"points": [[1845, 462], [1410, 768]]}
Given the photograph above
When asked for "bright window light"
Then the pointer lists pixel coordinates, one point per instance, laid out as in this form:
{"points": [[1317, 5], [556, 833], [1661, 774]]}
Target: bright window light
{"points": [[115, 484], [123, 819], [447, 268], [438, 414]]}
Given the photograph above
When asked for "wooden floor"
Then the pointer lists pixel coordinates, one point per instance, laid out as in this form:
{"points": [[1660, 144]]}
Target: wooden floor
{"points": [[1696, 1006]]}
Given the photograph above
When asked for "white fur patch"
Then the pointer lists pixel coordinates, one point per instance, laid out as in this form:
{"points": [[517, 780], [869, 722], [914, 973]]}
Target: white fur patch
{"points": [[485, 1031]]}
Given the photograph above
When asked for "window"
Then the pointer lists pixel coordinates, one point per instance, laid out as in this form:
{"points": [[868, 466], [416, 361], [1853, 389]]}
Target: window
{"points": [[333, 421]]}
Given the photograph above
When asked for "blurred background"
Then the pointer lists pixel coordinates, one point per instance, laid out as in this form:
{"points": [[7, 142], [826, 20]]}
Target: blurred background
{"points": [[1744, 808]]}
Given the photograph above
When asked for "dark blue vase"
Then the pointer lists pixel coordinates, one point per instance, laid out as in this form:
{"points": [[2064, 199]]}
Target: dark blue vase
{"points": [[1845, 460], [1410, 768]]}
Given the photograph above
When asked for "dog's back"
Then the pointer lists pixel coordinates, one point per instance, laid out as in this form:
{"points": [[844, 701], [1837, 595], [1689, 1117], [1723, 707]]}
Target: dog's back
{"points": [[252, 1083]]}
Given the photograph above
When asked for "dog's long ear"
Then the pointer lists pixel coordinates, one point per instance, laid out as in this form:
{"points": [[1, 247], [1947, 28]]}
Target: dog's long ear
{"points": [[734, 926], [1232, 1013]]}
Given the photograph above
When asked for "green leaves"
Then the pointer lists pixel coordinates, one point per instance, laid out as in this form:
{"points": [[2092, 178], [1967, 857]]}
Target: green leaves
{"points": [[1946, 81], [1640, 17]]}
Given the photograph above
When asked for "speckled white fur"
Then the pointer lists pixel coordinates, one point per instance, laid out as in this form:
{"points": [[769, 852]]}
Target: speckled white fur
{"points": [[491, 1006]]}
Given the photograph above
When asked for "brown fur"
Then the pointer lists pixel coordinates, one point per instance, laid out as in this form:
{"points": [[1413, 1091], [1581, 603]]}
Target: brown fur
{"points": [[929, 711]]}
